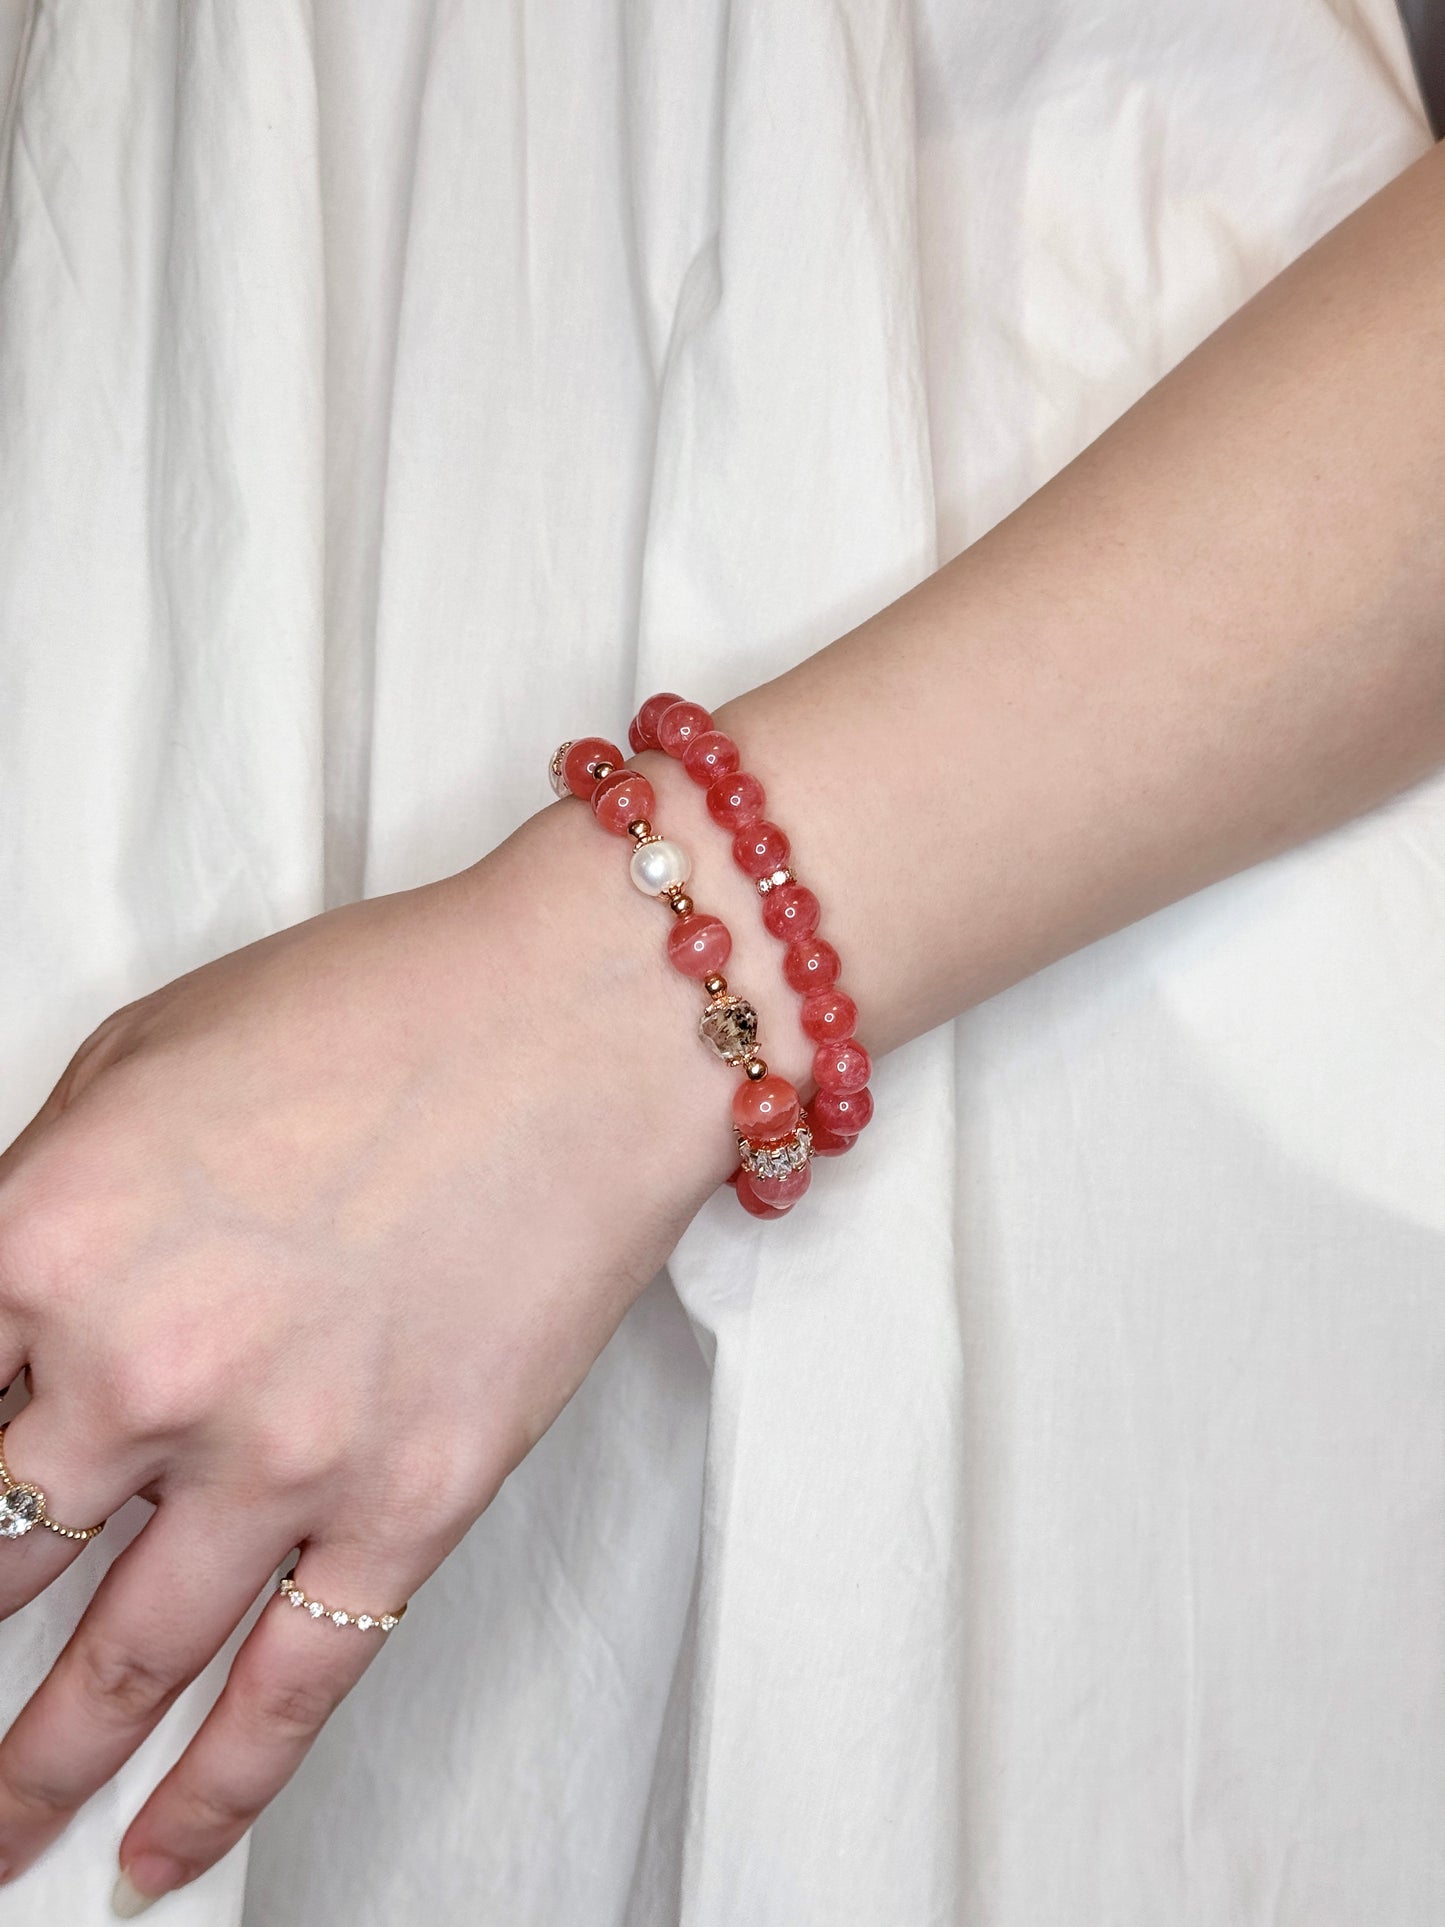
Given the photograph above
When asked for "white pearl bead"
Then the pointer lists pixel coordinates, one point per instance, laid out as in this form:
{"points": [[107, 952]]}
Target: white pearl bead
{"points": [[658, 866]]}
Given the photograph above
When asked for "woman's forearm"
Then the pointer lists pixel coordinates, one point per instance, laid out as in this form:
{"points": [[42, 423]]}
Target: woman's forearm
{"points": [[1218, 631]]}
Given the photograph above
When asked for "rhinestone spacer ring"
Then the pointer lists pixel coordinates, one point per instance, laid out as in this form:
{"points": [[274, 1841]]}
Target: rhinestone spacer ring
{"points": [[776, 1160], [363, 1622]]}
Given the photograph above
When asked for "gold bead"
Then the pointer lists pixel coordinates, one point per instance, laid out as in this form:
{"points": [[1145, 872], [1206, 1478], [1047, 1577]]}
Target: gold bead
{"points": [[681, 904], [597, 771], [755, 1070], [641, 829], [714, 986]]}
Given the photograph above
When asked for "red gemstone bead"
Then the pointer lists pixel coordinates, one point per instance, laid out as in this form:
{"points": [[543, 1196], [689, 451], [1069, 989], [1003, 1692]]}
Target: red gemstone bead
{"points": [[736, 799], [635, 737], [784, 1189], [844, 1113], [811, 964], [827, 1144], [681, 725], [829, 1014], [588, 749], [841, 1067], [698, 945], [621, 799], [751, 1202], [790, 911], [760, 849], [714, 753], [645, 721], [767, 1110]]}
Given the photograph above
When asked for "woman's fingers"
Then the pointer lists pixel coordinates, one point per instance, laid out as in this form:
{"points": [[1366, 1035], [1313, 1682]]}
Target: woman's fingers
{"points": [[161, 1613], [287, 1679]]}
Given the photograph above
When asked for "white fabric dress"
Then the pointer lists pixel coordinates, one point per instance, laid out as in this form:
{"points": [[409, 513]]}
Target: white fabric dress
{"points": [[1046, 1529]]}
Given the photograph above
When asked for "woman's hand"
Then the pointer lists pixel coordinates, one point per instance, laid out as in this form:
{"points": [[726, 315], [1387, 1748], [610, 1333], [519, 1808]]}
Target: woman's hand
{"points": [[310, 1247]]}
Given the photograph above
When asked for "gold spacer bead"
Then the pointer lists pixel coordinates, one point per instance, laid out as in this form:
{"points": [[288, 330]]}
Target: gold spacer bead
{"points": [[755, 1070], [714, 986], [598, 771], [681, 904], [641, 828]]}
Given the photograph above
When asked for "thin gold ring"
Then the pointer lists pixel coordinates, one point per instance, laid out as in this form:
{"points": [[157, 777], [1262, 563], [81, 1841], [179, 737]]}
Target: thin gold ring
{"points": [[23, 1507], [338, 1616]]}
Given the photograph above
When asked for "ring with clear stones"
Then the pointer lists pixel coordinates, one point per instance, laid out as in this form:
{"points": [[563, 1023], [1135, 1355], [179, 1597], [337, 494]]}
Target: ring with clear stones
{"points": [[23, 1507], [363, 1622]]}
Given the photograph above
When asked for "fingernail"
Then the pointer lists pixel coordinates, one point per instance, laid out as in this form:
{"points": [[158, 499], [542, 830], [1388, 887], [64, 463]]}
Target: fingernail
{"points": [[147, 1877]]}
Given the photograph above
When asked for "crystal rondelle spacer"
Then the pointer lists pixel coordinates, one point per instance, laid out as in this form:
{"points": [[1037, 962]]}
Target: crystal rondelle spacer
{"points": [[776, 1160], [730, 1026]]}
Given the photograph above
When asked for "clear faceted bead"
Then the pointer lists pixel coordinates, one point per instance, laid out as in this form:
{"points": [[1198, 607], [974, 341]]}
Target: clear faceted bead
{"points": [[20, 1508], [315, 1608], [365, 1621], [730, 1026], [386, 1622]]}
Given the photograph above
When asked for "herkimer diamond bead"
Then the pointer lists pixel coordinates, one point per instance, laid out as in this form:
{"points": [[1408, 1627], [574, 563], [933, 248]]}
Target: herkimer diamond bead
{"points": [[21, 1508], [730, 1026]]}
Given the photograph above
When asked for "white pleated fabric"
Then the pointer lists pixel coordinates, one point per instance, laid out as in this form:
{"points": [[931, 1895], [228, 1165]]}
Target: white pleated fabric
{"points": [[1044, 1529]]}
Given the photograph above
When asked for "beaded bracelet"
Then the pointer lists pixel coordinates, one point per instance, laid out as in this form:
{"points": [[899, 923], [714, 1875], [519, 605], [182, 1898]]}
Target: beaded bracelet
{"points": [[765, 1109], [841, 1065]]}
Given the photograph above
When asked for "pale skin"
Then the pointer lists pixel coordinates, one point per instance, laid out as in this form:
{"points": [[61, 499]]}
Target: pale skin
{"points": [[1218, 632]]}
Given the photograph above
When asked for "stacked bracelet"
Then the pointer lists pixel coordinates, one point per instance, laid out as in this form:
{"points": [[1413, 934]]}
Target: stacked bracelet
{"points": [[841, 1066], [765, 1109]]}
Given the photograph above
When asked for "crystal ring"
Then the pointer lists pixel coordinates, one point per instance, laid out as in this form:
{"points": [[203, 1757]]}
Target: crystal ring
{"points": [[363, 1622], [23, 1507]]}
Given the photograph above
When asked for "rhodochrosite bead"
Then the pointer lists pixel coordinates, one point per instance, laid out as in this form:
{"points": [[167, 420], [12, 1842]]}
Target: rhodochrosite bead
{"points": [[736, 799], [811, 964], [759, 848], [752, 1203], [621, 799], [680, 725], [645, 721], [784, 1189], [588, 749], [841, 1067], [766, 1111], [699, 945], [709, 755], [844, 1113], [790, 912], [827, 1144], [829, 1015]]}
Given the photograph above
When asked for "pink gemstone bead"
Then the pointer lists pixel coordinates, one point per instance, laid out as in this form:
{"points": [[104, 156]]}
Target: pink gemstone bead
{"points": [[645, 721], [841, 1067], [790, 912], [620, 799], [767, 1110], [827, 1144], [736, 799], [699, 945], [588, 749], [829, 1015], [784, 1189], [811, 964], [844, 1113], [760, 848], [752, 1203], [636, 740], [680, 725], [714, 753]]}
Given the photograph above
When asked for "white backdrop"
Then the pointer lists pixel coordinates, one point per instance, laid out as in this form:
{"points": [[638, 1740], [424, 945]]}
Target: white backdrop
{"points": [[1048, 1532]]}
